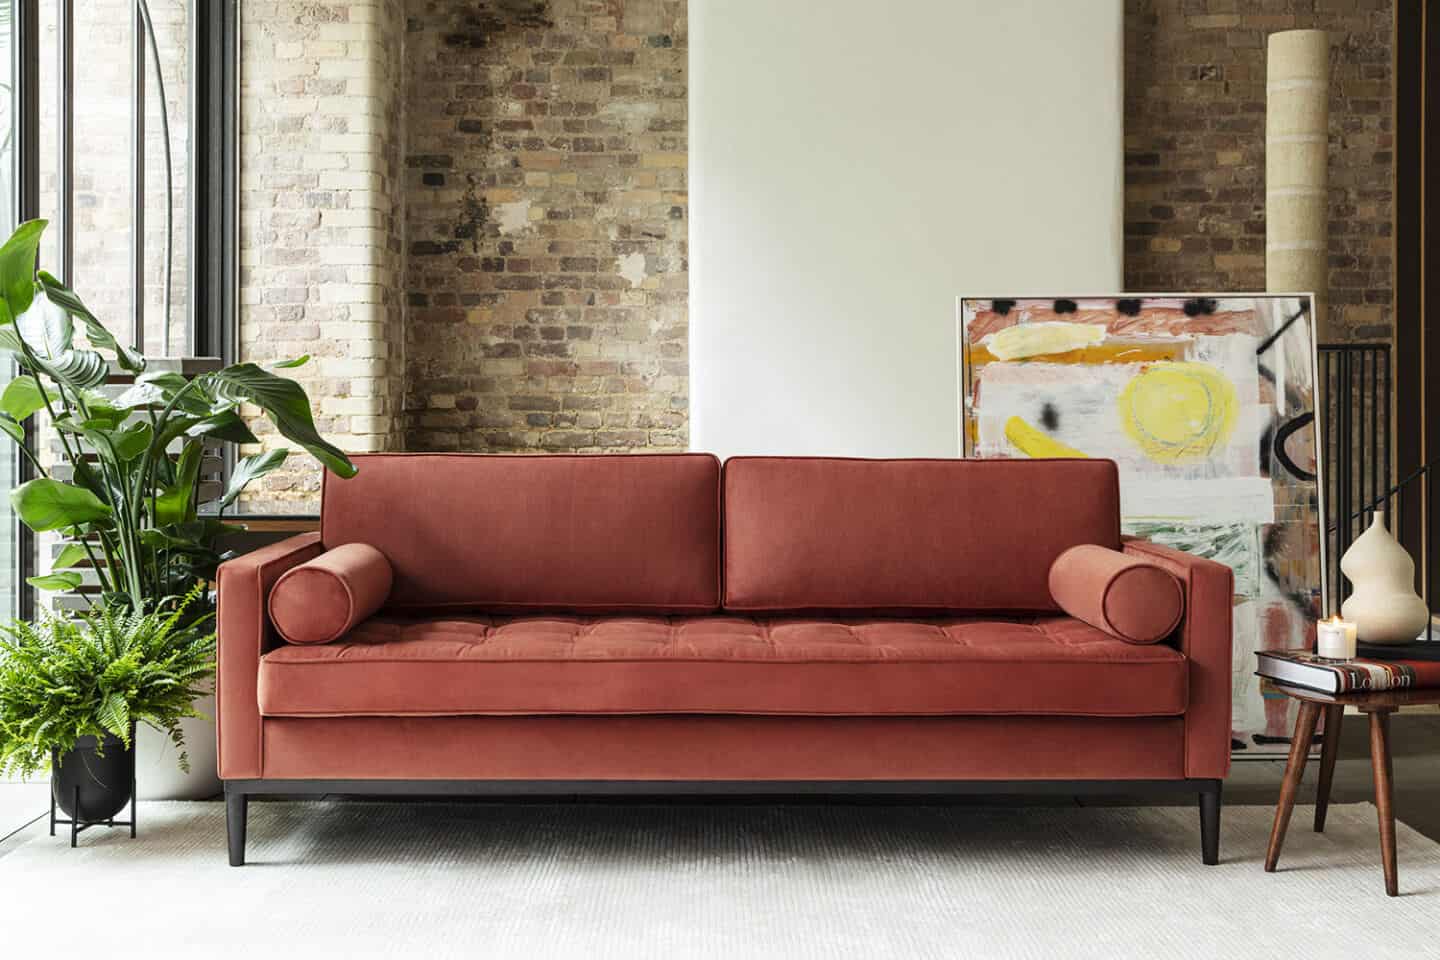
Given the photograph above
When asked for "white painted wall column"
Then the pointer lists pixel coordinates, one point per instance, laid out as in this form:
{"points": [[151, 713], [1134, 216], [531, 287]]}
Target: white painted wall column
{"points": [[853, 168]]}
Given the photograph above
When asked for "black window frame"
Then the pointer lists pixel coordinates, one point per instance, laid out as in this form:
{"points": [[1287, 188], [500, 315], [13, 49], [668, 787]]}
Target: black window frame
{"points": [[212, 206]]}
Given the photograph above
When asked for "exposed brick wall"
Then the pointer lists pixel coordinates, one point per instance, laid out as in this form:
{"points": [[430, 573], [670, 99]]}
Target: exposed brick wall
{"points": [[320, 220], [545, 190], [1195, 149], [474, 211]]}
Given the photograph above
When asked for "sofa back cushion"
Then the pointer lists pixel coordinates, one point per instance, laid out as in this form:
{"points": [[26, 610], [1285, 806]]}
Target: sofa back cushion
{"points": [[908, 536], [599, 534]]}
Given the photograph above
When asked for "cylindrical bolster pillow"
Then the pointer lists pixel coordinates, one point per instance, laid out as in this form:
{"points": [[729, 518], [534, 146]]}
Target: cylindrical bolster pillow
{"points": [[1126, 597], [319, 601]]}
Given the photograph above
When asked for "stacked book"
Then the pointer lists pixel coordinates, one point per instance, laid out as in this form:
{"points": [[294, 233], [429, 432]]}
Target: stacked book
{"points": [[1303, 668], [1399, 667]]}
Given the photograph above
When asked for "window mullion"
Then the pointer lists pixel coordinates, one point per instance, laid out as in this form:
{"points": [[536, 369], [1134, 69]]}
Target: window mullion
{"points": [[65, 143], [137, 180]]}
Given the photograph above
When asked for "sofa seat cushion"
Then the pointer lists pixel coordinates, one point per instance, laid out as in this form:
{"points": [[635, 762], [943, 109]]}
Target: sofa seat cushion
{"points": [[1048, 665]]}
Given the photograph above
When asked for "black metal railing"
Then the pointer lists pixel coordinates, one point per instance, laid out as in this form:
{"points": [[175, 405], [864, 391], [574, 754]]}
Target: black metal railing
{"points": [[1354, 404], [1355, 427]]}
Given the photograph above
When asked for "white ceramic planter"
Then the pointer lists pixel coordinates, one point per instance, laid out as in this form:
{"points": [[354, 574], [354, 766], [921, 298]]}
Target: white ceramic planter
{"points": [[1384, 605], [157, 768]]}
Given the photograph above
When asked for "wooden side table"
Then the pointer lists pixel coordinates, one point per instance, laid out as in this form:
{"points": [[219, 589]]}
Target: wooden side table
{"points": [[1378, 706]]}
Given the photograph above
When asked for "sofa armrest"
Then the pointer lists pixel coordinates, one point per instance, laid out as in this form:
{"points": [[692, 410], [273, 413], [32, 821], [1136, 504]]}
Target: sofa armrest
{"points": [[1206, 640], [243, 635]]}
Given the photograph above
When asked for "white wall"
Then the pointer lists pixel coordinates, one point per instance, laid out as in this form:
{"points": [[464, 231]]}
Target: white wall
{"points": [[854, 166]]}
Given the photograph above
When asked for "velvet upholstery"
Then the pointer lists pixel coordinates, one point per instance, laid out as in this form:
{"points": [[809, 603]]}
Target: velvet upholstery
{"points": [[567, 533], [724, 748], [323, 599], [1205, 640], [243, 634], [617, 665], [1127, 597], [577, 583], [908, 536]]}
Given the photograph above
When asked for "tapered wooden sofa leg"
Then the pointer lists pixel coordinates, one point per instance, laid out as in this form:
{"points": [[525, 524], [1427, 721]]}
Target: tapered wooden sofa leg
{"points": [[1210, 826], [236, 804]]}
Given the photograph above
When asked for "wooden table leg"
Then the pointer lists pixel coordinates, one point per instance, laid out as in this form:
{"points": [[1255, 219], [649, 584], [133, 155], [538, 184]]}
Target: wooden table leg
{"points": [[1384, 778], [1290, 786], [1334, 716]]}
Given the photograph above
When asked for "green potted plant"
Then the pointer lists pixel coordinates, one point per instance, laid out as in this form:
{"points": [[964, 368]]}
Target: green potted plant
{"points": [[125, 495], [72, 691]]}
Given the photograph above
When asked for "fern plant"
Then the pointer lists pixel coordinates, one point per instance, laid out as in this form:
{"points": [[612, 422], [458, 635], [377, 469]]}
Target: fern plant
{"points": [[98, 673]]}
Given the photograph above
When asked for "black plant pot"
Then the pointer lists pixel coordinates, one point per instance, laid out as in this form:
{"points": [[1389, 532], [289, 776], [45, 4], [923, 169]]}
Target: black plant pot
{"points": [[104, 780]]}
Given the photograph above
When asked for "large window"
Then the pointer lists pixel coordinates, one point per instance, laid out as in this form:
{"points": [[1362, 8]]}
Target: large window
{"points": [[120, 130], [10, 535], [128, 138]]}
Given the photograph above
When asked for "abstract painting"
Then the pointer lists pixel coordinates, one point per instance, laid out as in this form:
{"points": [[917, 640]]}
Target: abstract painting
{"points": [[1207, 405]]}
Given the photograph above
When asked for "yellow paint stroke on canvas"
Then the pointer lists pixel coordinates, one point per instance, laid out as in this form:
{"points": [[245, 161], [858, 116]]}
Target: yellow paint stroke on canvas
{"points": [[1036, 443], [1111, 351], [1038, 339], [1176, 412]]}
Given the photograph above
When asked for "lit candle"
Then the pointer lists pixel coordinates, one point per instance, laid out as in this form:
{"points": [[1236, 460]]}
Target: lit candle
{"points": [[1335, 639]]}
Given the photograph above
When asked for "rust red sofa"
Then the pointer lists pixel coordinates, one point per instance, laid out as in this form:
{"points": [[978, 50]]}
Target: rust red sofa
{"points": [[615, 624]]}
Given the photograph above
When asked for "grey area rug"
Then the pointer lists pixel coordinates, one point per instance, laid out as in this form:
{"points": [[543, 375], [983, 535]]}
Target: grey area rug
{"points": [[441, 880]]}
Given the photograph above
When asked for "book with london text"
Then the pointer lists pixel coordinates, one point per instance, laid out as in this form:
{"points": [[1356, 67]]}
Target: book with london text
{"points": [[1304, 668]]}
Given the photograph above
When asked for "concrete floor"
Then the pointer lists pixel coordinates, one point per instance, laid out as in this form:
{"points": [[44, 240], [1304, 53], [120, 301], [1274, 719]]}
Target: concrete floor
{"points": [[21, 803], [1416, 747]]}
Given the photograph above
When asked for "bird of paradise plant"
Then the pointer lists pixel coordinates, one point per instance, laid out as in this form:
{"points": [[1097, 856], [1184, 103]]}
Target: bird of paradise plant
{"points": [[129, 506]]}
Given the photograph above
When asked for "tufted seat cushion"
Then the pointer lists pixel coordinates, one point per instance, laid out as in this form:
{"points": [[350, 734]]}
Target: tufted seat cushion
{"points": [[1046, 665]]}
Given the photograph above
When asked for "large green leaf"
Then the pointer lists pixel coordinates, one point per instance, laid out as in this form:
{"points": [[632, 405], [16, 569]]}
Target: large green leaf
{"points": [[95, 331], [141, 395], [174, 427], [285, 403], [22, 397], [70, 555], [46, 504], [55, 581], [251, 468], [205, 530], [121, 445], [47, 329], [130, 442], [224, 424], [158, 389], [102, 407], [91, 429], [17, 266], [167, 380], [78, 368], [94, 480], [176, 503], [49, 333], [193, 536]]}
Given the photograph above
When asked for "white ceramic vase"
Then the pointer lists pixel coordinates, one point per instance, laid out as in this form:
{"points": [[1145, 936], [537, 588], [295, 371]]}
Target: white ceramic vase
{"points": [[1384, 606]]}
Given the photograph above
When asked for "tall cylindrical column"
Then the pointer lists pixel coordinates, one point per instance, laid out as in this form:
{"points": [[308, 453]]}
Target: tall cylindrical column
{"points": [[1297, 134]]}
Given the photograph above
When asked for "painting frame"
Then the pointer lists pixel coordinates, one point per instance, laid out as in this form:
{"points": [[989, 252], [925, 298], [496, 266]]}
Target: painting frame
{"points": [[1300, 509]]}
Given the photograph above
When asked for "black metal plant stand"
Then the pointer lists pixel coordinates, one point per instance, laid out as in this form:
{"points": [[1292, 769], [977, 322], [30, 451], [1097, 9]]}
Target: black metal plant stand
{"points": [[77, 826]]}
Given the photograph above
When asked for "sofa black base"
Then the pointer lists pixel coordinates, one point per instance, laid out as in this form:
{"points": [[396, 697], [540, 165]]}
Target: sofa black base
{"points": [[239, 792]]}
